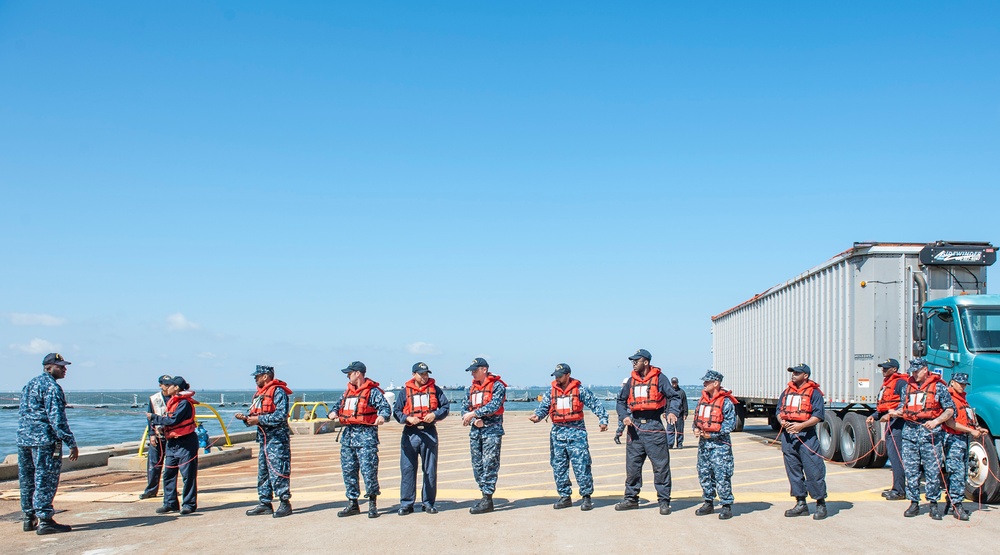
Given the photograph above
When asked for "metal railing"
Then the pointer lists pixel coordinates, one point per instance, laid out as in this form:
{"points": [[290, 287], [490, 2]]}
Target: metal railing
{"points": [[311, 413]]}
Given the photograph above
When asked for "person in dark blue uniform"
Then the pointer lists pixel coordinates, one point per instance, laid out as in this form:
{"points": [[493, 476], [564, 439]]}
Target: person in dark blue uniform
{"points": [[419, 407], [800, 408], [642, 402], [181, 454], [893, 386], [675, 431], [269, 412], [42, 429], [154, 448]]}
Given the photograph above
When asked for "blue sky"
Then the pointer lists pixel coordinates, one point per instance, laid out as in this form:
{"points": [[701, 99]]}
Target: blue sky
{"points": [[199, 187]]}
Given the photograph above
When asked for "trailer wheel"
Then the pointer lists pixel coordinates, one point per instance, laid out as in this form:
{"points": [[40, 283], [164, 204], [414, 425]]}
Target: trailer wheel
{"points": [[855, 442], [741, 417], [879, 455], [829, 437], [772, 421], [984, 470]]}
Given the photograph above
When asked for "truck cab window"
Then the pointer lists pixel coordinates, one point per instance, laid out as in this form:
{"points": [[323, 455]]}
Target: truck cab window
{"points": [[941, 334], [982, 329]]}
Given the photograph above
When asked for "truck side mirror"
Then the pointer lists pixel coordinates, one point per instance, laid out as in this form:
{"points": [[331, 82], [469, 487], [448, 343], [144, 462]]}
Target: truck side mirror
{"points": [[919, 349], [919, 323]]}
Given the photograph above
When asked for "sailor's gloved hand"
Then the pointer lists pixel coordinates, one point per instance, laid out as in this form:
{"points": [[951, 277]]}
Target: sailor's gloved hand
{"points": [[618, 439]]}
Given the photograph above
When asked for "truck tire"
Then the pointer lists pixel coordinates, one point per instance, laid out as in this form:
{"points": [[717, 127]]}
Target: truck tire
{"points": [[829, 437], [855, 441], [879, 456], [772, 421], [984, 469], [741, 417]]}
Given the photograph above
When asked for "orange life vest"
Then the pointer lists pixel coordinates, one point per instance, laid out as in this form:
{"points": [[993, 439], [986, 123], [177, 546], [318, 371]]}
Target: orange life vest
{"points": [[708, 414], [183, 427], [566, 405], [888, 399], [644, 391], [420, 401], [921, 400], [797, 405], [480, 394], [263, 400], [355, 407], [964, 414]]}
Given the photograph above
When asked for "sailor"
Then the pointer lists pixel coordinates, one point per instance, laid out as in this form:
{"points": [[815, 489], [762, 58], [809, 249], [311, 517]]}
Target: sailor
{"points": [[564, 403], [925, 406], [714, 420], [42, 429], [800, 408], [361, 410], [675, 431], [419, 407], [269, 412], [956, 444], [484, 414], [154, 448], [181, 452], [642, 401], [893, 385], [621, 425]]}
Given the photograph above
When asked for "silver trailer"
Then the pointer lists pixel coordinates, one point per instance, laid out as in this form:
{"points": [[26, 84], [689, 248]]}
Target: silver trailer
{"points": [[841, 318]]}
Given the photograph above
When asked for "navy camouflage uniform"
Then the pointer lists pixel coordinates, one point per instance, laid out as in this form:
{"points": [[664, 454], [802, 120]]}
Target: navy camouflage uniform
{"points": [[675, 431], [274, 456], [804, 466], [419, 441], [923, 450], [484, 443], [42, 430], [359, 450], [956, 462], [568, 444], [715, 459], [647, 437]]}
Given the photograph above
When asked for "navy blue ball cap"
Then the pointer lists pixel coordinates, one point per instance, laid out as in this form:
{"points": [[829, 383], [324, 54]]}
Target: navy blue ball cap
{"points": [[477, 363], [421, 368], [356, 366], [961, 378], [641, 353], [262, 369], [55, 358], [165, 379], [801, 368], [561, 369], [712, 376], [889, 363], [179, 382]]}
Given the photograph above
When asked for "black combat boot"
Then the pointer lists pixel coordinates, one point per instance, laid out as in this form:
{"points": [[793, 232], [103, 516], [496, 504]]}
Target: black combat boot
{"points": [[48, 526], [284, 509], [960, 512], [485, 505], [664, 508], [706, 508], [261, 509], [935, 511], [627, 504], [351, 509], [800, 508], [587, 503], [912, 510], [30, 523], [372, 507], [820, 509], [563, 503], [726, 512]]}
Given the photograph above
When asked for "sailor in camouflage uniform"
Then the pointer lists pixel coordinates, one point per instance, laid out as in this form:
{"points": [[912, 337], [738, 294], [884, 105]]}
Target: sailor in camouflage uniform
{"points": [[956, 444], [925, 406], [42, 429], [362, 409], [269, 412], [714, 420], [564, 402], [484, 414]]}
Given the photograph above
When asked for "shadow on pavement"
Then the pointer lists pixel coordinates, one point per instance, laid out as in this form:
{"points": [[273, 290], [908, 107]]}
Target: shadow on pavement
{"points": [[126, 522], [833, 508], [740, 509]]}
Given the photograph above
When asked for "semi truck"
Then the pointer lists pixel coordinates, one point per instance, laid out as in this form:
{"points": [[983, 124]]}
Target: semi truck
{"points": [[872, 302]]}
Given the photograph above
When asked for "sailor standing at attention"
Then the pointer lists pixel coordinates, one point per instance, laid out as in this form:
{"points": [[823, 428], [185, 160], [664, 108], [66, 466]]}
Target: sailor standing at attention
{"points": [[362, 409], [157, 442], [181, 453], [419, 408], [269, 412], [484, 414], [42, 429], [800, 408], [564, 403], [714, 420]]}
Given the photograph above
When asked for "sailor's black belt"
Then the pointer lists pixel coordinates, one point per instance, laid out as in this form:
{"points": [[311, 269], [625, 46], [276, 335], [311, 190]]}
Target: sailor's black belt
{"points": [[646, 420]]}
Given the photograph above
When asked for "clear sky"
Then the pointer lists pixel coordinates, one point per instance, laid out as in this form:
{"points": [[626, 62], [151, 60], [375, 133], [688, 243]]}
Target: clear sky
{"points": [[198, 187]]}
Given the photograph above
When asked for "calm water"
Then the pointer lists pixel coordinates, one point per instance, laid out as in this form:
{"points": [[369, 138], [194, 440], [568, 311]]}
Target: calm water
{"points": [[106, 418]]}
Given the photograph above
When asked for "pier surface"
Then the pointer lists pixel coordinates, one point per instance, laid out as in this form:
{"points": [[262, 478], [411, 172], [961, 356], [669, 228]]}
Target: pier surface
{"points": [[108, 517]]}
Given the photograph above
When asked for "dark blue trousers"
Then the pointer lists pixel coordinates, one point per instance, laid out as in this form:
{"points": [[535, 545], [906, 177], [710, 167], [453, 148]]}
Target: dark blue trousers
{"points": [[413, 444], [804, 466], [181, 456], [647, 439], [894, 450], [154, 468]]}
